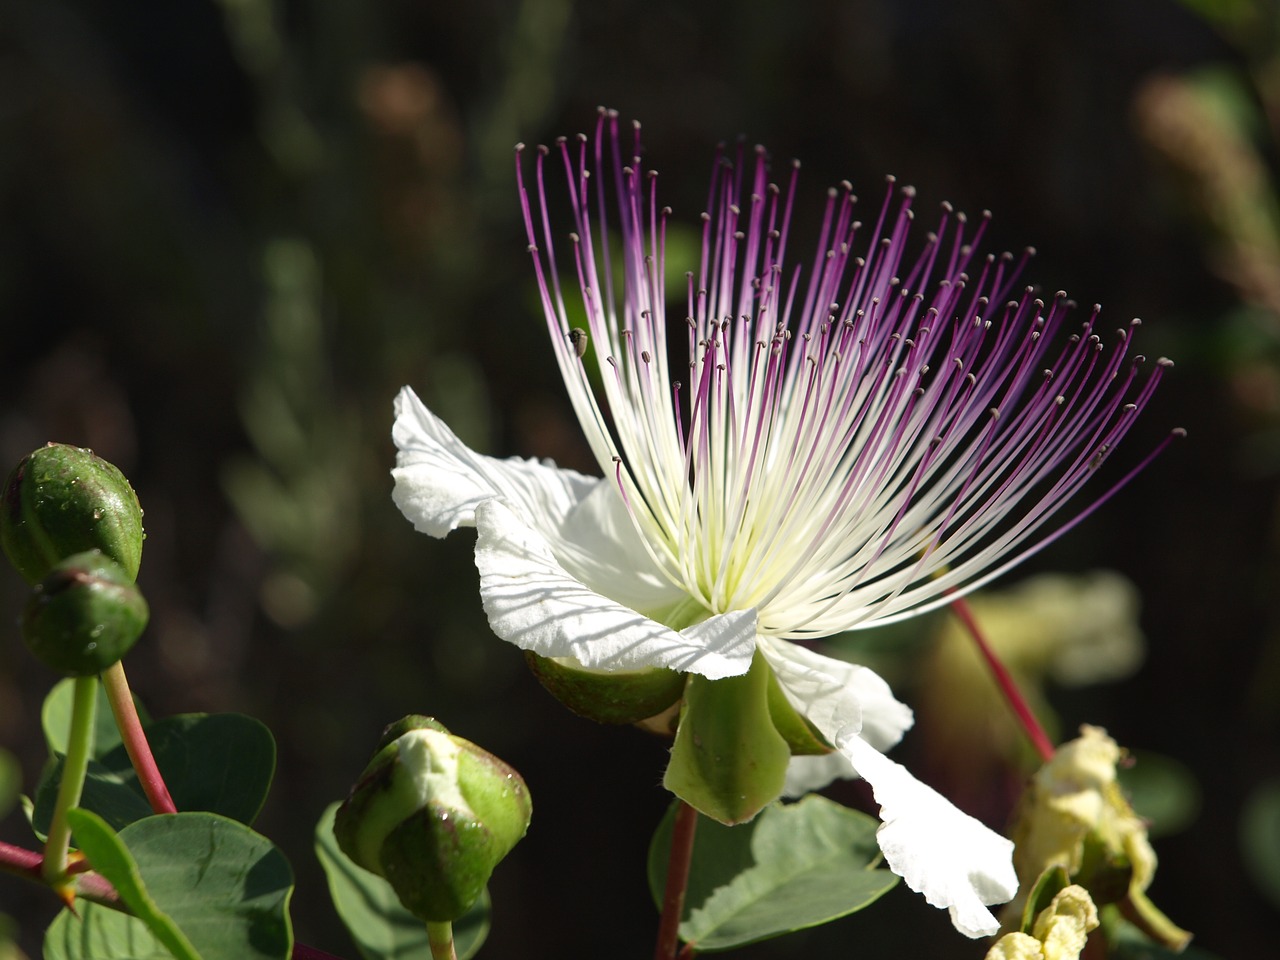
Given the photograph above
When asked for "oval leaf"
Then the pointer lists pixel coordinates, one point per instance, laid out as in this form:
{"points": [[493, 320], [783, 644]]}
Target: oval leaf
{"points": [[224, 887], [10, 782], [55, 719], [214, 762], [217, 763], [380, 926], [113, 796], [100, 933], [111, 858], [794, 866]]}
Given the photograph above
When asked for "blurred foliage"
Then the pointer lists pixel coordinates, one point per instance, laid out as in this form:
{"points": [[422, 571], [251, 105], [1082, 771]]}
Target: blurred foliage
{"points": [[1260, 837], [229, 231]]}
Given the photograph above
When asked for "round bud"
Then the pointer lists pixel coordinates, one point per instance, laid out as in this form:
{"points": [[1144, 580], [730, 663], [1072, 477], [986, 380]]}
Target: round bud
{"points": [[85, 615], [433, 814], [62, 500]]}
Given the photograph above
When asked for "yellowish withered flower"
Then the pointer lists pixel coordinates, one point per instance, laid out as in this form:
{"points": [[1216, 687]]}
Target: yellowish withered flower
{"points": [[1059, 932], [1075, 815]]}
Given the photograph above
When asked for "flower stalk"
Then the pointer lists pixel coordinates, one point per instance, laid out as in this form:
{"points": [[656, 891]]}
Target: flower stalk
{"points": [[74, 768], [683, 832], [440, 938], [125, 712], [1004, 680]]}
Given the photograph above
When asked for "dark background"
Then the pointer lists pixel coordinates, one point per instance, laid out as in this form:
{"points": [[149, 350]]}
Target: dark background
{"points": [[230, 231]]}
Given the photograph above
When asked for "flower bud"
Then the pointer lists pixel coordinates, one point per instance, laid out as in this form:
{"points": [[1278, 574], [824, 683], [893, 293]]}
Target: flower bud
{"points": [[62, 500], [433, 814], [626, 696], [85, 615]]}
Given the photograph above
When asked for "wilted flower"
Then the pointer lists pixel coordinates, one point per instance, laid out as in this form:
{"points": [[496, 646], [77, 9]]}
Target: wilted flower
{"points": [[1074, 815], [846, 448], [1058, 932]]}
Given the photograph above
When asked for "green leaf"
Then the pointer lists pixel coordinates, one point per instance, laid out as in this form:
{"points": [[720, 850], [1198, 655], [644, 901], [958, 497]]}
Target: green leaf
{"points": [[1162, 791], [1260, 838], [108, 793], [216, 763], [223, 887], [1129, 943], [55, 718], [10, 781], [100, 933], [380, 926], [111, 858], [794, 866]]}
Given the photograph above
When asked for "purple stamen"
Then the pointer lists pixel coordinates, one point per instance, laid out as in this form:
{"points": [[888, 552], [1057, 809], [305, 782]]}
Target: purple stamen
{"points": [[851, 448]]}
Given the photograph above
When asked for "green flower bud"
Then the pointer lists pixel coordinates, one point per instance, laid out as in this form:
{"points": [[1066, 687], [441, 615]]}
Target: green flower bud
{"points": [[62, 500], [626, 696], [433, 814], [85, 615]]}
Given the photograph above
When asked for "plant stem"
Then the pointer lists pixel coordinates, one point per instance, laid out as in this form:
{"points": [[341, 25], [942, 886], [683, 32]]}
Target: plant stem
{"points": [[682, 834], [74, 767], [440, 937], [1004, 680], [135, 740]]}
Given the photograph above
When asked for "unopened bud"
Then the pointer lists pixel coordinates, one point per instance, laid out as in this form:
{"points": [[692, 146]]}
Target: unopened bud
{"points": [[433, 814], [85, 615], [62, 500]]}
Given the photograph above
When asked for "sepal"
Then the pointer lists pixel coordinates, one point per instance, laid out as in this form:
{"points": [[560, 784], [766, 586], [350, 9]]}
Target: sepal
{"points": [[728, 760], [622, 696]]}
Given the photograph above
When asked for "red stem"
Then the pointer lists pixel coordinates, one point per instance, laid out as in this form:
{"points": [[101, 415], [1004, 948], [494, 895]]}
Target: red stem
{"points": [[20, 861], [135, 740], [29, 865], [682, 833], [1030, 725]]}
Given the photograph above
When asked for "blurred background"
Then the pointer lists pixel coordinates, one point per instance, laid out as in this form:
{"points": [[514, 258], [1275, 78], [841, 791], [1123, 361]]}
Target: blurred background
{"points": [[230, 230]]}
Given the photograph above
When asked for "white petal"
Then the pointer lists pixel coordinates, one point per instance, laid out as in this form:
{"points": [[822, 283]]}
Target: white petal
{"points": [[598, 545], [838, 697], [534, 602], [439, 480], [947, 855], [806, 774]]}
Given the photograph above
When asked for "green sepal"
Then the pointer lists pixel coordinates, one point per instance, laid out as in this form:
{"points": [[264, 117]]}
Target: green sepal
{"points": [[801, 735], [1048, 885], [626, 696], [728, 760], [85, 615], [62, 500]]}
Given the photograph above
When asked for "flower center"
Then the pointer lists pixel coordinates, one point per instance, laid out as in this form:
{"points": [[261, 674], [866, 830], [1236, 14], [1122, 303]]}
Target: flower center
{"points": [[850, 441]]}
